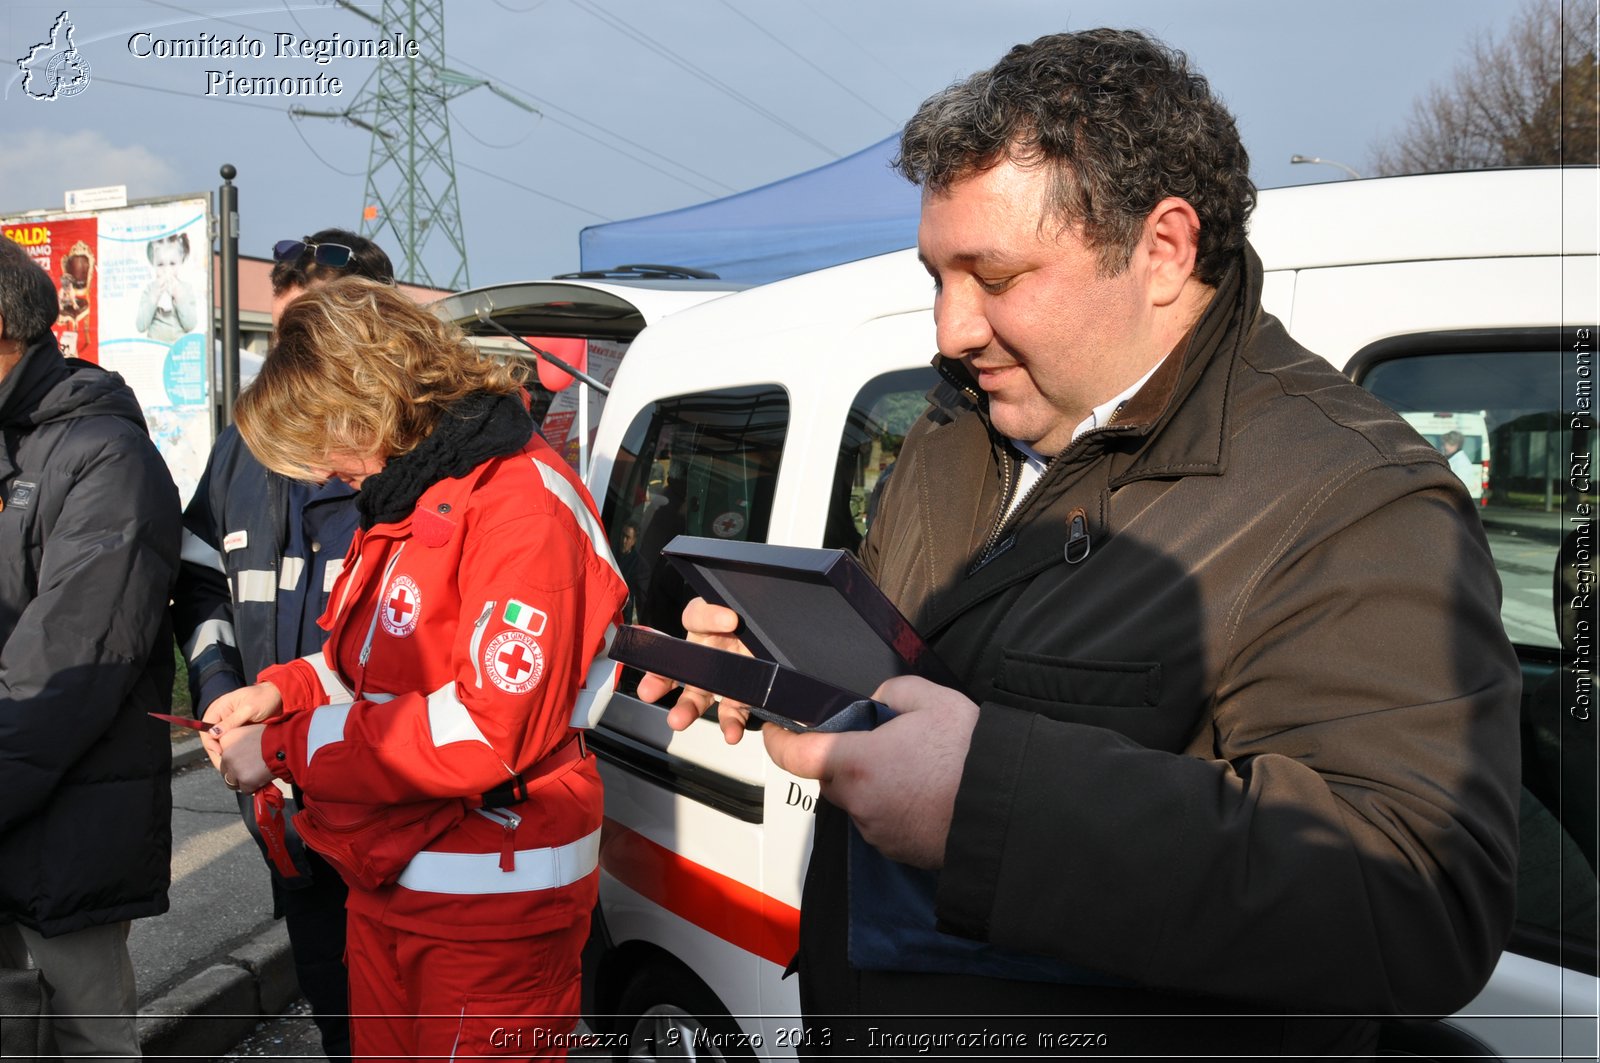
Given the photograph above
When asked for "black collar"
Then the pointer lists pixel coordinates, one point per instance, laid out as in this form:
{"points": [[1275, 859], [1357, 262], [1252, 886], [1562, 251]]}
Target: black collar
{"points": [[479, 427]]}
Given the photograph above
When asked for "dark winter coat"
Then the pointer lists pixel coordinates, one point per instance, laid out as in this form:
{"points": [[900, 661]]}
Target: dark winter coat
{"points": [[1248, 728], [89, 539]]}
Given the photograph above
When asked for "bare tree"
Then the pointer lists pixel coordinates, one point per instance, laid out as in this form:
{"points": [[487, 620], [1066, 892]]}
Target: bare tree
{"points": [[1528, 98]]}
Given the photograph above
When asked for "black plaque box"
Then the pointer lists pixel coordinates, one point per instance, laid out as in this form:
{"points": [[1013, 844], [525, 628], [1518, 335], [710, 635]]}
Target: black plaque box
{"points": [[821, 634]]}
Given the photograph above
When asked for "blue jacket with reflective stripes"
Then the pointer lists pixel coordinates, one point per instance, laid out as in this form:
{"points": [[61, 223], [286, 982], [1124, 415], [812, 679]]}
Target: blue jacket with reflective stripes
{"points": [[256, 549]]}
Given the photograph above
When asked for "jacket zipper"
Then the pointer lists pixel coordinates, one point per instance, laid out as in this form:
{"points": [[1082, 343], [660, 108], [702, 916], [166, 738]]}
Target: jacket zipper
{"points": [[1007, 473], [509, 822], [1008, 487], [1077, 521], [372, 628], [478, 628]]}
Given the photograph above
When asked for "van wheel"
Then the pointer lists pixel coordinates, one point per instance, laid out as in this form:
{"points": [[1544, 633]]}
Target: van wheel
{"points": [[668, 1013]]}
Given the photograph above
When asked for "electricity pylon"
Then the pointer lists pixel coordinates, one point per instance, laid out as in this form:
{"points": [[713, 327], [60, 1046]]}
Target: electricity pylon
{"points": [[411, 200]]}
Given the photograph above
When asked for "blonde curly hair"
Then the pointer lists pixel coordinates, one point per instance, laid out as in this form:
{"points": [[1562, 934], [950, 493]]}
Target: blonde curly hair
{"points": [[358, 367]]}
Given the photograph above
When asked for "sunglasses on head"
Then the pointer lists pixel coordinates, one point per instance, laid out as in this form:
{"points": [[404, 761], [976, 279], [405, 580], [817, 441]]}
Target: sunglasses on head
{"points": [[335, 255]]}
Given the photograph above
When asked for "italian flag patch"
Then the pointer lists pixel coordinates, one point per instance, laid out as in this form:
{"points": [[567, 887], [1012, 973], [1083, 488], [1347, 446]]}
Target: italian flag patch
{"points": [[525, 617]]}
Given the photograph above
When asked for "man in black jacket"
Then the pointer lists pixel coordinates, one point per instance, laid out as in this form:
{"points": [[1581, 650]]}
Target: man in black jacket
{"points": [[89, 539], [260, 554]]}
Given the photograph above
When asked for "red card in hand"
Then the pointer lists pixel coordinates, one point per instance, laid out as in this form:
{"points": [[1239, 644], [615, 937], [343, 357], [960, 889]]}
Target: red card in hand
{"points": [[182, 721]]}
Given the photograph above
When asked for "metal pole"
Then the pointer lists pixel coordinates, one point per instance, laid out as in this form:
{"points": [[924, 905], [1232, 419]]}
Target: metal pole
{"points": [[583, 429], [483, 316], [228, 204], [1325, 162]]}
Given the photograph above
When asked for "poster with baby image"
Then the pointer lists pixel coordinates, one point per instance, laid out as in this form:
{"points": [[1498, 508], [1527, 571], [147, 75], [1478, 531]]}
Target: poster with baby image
{"points": [[140, 276]]}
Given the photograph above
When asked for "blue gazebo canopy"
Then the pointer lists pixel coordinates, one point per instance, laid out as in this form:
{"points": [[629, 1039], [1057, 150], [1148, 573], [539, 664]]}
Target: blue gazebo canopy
{"points": [[849, 209]]}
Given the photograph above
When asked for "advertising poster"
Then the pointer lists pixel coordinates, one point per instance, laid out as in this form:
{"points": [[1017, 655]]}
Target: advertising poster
{"points": [[135, 286], [66, 249], [560, 426]]}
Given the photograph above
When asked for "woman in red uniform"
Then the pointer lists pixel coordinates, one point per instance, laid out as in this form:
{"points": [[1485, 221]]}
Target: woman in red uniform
{"points": [[436, 737]]}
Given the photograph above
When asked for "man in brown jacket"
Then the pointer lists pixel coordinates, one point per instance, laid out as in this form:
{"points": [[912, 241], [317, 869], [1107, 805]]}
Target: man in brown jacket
{"points": [[1236, 742]]}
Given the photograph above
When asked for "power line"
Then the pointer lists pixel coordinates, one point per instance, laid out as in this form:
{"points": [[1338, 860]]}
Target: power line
{"points": [[546, 108], [876, 61], [535, 191], [718, 84], [295, 122], [205, 15], [791, 50], [494, 147], [294, 18], [188, 95]]}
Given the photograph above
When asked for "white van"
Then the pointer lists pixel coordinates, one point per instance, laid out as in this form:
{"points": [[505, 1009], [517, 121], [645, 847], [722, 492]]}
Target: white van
{"points": [[771, 414], [1470, 431], [587, 321]]}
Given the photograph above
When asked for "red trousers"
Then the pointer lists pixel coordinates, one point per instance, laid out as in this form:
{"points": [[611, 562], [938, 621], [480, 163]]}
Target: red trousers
{"points": [[419, 997]]}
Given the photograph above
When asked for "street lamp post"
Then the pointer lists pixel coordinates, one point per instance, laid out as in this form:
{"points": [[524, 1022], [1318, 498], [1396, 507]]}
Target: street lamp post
{"points": [[1325, 162]]}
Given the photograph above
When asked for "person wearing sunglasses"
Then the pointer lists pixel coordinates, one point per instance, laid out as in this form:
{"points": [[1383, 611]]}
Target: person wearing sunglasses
{"points": [[320, 257], [260, 554]]}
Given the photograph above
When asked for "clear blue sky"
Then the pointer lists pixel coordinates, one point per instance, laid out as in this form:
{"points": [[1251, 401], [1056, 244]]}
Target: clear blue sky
{"points": [[652, 106]]}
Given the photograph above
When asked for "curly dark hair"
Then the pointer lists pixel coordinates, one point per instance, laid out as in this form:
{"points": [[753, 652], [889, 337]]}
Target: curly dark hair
{"points": [[1121, 121]]}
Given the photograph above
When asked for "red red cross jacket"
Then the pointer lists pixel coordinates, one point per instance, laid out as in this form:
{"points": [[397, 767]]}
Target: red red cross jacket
{"points": [[465, 643]]}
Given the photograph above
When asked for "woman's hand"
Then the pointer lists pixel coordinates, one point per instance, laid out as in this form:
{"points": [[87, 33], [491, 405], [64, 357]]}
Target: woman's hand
{"points": [[243, 767], [237, 708]]}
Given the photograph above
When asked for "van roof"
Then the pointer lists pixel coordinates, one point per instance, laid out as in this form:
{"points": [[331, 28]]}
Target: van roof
{"points": [[1429, 216]]}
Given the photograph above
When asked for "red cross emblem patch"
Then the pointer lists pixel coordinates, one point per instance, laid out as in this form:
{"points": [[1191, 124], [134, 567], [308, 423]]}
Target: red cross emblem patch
{"points": [[514, 662], [401, 606]]}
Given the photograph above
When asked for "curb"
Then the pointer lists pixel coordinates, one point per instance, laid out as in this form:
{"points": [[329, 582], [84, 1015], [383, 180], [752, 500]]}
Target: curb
{"points": [[209, 1013]]}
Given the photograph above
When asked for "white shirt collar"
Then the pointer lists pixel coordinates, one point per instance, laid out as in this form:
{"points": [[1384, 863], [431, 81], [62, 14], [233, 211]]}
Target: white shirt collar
{"points": [[1033, 463], [1101, 415]]}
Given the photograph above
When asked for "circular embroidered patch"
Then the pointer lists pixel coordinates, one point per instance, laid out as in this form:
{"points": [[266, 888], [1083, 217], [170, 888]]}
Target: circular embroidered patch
{"points": [[402, 604], [514, 661]]}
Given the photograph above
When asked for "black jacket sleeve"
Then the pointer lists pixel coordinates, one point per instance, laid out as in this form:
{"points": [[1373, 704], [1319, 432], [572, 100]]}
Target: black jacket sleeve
{"points": [[84, 640]]}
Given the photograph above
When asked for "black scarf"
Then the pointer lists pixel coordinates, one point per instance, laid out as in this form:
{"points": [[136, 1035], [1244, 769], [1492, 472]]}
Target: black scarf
{"points": [[479, 427]]}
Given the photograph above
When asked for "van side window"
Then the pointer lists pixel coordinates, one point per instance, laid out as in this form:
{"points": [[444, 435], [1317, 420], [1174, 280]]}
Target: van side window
{"points": [[703, 464], [1513, 415], [883, 412]]}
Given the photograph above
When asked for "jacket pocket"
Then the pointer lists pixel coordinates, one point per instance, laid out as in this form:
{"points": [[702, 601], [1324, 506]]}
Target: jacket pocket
{"points": [[1147, 701], [371, 844], [1124, 684]]}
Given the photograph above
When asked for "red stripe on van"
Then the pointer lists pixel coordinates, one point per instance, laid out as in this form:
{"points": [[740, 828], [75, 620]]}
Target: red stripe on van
{"points": [[717, 904]]}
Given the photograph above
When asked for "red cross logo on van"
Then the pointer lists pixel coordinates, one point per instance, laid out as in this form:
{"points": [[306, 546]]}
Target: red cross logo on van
{"points": [[514, 662], [402, 606]]}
